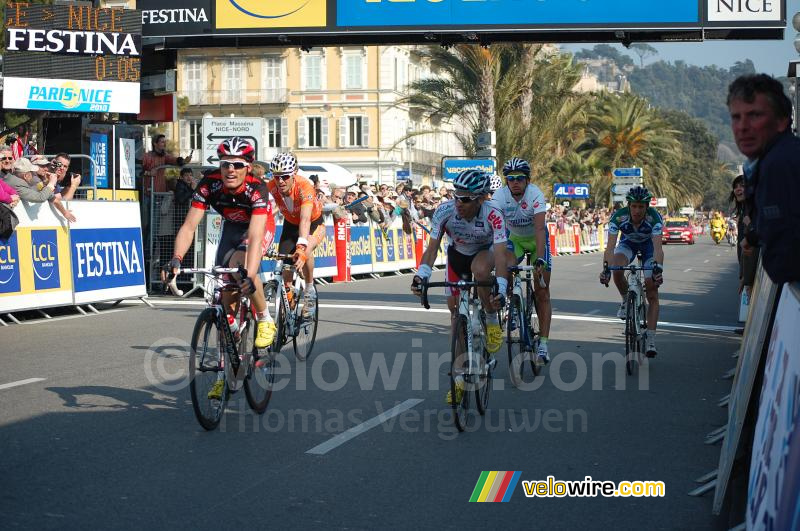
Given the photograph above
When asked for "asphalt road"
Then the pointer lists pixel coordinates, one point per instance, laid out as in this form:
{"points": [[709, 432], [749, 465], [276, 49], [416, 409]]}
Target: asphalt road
{"points": [[107, 438]]}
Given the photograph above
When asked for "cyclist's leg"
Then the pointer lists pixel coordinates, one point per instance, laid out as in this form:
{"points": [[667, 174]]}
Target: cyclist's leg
{"points": [[624, 253], [315, 237], [289, 235], [651, 290], [458, 268], [482, 266], [229, 241]]}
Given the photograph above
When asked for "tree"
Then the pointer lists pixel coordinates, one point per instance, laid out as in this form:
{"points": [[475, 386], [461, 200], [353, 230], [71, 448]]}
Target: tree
{"points": [[643, 50]]}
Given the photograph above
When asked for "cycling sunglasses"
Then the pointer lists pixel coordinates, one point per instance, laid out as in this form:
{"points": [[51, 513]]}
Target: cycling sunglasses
{"points": [[466, 198], [516, 177], [284, 177], [224, 165], [6, 158]]}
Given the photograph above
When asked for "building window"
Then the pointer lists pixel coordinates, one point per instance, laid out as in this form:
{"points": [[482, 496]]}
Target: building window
{"points": [[312, 71], [191, 135], [232, 81], [276, 132], [353, 71], [273, 79], [312, 132], [354, 131], [193, 85]]}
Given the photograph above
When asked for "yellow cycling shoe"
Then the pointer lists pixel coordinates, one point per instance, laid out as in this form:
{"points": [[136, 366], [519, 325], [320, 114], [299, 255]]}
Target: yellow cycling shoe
{"points": [[265, 334], [459, 393], [494, 337], [216, 390]]}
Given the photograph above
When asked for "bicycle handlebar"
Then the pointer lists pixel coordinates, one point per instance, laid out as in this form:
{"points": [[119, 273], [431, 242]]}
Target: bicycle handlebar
{"points": [[519, 268], [209, 271], [458, 284]]}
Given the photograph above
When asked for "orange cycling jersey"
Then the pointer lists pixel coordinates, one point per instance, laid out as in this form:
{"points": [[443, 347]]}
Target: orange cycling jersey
{"points": [[302, 193]]}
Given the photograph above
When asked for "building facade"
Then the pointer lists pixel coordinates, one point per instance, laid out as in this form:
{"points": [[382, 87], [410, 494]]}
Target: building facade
{"points": [[332, 104]]}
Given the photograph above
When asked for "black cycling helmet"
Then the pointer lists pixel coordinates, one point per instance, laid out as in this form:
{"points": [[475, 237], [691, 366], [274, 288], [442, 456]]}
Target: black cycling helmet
{"points": [[639, 194]]}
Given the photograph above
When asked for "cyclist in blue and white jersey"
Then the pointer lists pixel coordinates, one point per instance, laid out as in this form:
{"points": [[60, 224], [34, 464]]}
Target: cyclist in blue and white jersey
{"points": [[477, 234], [641, 227], [524, 206]]}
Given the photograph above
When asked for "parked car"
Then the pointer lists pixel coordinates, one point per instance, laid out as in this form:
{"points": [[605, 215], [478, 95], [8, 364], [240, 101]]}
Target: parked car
{"points": [[678, 230]]}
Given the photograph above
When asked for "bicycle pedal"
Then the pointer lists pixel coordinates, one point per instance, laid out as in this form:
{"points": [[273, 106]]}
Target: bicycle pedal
{"points": [[491, 363]]}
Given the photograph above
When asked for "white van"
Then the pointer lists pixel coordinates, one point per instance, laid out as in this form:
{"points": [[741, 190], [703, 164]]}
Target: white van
{"points": [[329, 174]]}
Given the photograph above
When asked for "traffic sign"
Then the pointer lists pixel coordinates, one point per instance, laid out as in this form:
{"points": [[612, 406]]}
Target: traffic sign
{"points": [[486, 152], [402, 174], [627, 172], [622, 189], [215, 130], [487, 139]]}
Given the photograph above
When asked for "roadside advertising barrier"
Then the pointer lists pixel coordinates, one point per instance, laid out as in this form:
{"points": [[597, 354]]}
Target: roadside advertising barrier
{"points": [[343, 257], [49, 262], [575, 240], [774, 489]]}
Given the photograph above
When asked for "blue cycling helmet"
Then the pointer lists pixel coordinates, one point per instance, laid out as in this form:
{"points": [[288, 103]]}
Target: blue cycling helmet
{"points": [[517, 164], [639, 194], [473, 182]]}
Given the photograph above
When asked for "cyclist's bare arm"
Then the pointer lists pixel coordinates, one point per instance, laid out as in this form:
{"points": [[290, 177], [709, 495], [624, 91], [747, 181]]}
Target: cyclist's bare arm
{"points": [[255, 235], [658, 250], [185, 236], [305, 220], [610, 245], [541, 234], [429, 256], [500, 263]]}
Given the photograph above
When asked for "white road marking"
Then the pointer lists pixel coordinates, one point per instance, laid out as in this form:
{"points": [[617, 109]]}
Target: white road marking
{"points": [[355, 431], [589, 264], [705, 261], [566, 317], [687, 270], [67, 317], [21, 382], [593, 312]]}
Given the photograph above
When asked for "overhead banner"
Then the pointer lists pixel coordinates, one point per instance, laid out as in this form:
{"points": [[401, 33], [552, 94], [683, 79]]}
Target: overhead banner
{"points": [[362, 18], [69, 95]]}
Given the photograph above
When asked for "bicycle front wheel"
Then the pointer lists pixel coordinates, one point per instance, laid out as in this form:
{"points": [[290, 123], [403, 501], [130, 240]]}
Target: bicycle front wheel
{"points": [[458, 373], [515, 339], [306, 327], [260, 372], [631, 334], [206, 369]]}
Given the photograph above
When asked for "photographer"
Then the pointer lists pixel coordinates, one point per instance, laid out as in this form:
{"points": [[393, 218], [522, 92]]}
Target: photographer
{"points": [[66, 180]]}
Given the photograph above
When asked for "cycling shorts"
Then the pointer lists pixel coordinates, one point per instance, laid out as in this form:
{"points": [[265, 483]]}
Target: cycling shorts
{"points": [[630, 250], [459, 267], [234, 238], [291, 232], [519, 244]]}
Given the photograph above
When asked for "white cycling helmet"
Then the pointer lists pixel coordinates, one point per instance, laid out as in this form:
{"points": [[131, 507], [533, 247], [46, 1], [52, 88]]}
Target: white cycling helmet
{"points": [[495, 183], [283, 164]]}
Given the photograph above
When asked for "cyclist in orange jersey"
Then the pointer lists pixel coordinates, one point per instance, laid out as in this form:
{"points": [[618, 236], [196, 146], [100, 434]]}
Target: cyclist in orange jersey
{"points": [[303, 225]]}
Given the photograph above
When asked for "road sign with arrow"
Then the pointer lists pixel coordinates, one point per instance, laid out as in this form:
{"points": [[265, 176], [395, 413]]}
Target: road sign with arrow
{"points": [[215, 130]]}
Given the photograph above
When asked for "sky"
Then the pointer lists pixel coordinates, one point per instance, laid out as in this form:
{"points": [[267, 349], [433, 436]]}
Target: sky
{"points": [[771, 57]]}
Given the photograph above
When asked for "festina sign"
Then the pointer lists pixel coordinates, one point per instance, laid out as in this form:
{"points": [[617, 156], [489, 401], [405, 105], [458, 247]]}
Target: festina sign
{"points": [[744, 10], [572, 191], [72, 42]]}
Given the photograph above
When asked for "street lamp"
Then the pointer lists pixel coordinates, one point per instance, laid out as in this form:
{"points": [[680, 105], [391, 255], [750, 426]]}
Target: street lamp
{"points": [[410, 143]]}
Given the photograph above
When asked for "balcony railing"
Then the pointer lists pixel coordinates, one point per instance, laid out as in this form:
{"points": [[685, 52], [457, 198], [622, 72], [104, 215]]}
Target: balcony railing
{"points": [[237, 97]]}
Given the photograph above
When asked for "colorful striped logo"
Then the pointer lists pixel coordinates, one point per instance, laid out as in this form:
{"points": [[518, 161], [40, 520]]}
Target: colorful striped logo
{"points": [[495, 486]]}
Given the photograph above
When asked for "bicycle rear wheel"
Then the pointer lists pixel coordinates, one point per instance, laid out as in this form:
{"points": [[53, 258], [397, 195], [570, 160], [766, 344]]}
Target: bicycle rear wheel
{"points": [[514, 341], [306, 328], [260, 372], [631, 335], [458, 368], [205, 368]]}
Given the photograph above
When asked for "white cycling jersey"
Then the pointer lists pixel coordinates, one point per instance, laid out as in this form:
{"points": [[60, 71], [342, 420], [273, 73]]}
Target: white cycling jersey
{"points": [[519, 214], [469, 236]]}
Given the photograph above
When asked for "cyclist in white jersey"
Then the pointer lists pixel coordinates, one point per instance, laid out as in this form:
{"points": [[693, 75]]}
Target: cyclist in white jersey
{"points": [[524, 206], [477, 234]]}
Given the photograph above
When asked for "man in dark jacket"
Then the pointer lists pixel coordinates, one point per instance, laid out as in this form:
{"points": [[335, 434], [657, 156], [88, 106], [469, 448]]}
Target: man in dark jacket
{"points": [[761, 119]]}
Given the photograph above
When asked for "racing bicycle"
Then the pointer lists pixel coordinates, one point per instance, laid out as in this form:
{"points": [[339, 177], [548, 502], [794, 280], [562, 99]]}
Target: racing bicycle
{"points": [[522, 323], [636, 312], [471, 365], [218, 353], [289, 301]]}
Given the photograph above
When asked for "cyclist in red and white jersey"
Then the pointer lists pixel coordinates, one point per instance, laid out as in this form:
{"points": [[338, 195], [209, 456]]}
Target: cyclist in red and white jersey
{"points": [[242, 200], [477, 234]]}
